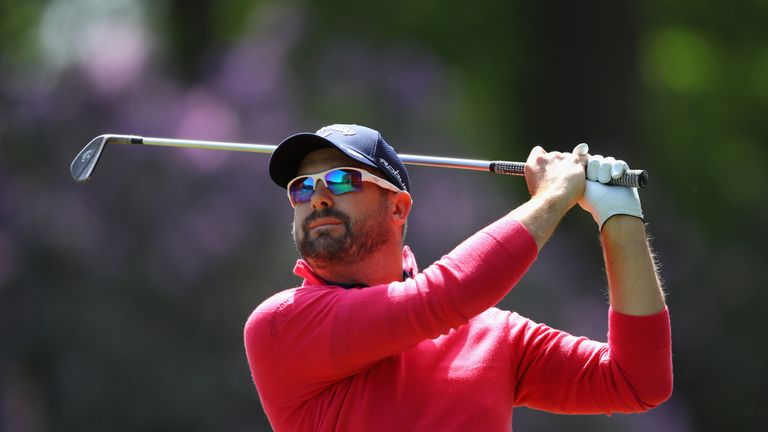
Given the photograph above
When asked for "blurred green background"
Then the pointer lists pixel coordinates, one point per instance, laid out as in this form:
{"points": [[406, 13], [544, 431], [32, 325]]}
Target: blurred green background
{"points": [[122, 301]]}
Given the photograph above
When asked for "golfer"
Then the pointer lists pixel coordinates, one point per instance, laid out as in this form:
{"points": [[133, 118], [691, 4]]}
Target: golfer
{"points": [[370, 343]]}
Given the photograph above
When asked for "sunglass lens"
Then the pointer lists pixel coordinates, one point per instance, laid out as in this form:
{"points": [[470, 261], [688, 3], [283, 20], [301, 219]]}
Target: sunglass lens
{"points": [[341, 181], [302, 189]]}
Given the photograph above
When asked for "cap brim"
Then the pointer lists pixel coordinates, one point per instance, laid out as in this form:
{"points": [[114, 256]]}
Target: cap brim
{"points": [[286, 159]]}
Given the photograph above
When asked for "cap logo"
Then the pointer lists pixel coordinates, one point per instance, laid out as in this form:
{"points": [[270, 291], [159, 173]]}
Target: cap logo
{"points": [[392, 171], [327, 130]]}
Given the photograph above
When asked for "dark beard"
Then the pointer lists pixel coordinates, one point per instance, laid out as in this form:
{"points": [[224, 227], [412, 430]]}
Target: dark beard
{"points": [[358, 240]]}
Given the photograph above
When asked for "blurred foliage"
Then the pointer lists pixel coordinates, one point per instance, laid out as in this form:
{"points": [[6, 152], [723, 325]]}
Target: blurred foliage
{"points": [[708, 105], [122, 301]]}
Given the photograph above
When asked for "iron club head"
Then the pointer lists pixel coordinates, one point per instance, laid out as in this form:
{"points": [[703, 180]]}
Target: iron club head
{"points": [[85, 161]]}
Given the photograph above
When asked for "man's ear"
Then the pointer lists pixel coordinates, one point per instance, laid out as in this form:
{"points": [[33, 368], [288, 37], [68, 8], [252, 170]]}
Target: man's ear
{"points": [[401, 207]]}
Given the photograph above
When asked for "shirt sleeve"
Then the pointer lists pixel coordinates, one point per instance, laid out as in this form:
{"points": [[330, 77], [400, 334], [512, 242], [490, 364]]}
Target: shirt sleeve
{"points": [[301, 340], [561, 373]]}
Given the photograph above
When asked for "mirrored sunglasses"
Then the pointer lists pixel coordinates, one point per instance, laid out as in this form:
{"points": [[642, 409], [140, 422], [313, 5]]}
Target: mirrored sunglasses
{"points": [[338, 181]]}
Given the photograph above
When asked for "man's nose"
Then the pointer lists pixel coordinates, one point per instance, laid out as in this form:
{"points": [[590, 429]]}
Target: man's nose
{"points": [[322, 197]]}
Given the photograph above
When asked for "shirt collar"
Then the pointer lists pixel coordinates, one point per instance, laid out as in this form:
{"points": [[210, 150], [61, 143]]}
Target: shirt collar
{"points": [[305, 271]]}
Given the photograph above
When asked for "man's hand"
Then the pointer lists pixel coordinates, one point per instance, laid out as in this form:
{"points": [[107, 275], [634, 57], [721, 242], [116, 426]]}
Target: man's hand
{"points": [[556, 175], [604, 201], [556, 182]]}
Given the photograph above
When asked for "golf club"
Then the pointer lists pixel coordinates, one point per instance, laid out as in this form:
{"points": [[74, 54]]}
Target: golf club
{"points": [[84, 163]]}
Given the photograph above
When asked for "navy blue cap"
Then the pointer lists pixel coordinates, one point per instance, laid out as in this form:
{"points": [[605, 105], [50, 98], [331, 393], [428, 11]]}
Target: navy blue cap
{"points": [[360, 143]]}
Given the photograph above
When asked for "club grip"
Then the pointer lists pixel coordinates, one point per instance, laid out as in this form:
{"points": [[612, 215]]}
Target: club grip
{"points": [[631, 178]]}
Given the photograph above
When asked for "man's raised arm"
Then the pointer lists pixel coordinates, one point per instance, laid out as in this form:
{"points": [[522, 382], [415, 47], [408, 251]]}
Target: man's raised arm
{"points": [[633, 284]]}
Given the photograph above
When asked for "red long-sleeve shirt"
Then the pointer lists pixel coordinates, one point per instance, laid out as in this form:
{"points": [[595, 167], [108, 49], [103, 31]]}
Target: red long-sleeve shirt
{"points": [[432, 353]]}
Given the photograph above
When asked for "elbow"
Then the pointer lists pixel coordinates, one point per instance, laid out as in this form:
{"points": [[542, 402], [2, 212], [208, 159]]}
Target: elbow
{"points": [[664, 392], [646, 389], [656, 394]]}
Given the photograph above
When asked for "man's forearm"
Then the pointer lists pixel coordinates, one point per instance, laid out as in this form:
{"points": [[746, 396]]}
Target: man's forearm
{"points": [[541, 215], [633, 284]]}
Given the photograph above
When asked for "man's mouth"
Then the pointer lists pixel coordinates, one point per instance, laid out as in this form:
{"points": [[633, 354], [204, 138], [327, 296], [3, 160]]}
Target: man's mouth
{"points": [[324, 223]]}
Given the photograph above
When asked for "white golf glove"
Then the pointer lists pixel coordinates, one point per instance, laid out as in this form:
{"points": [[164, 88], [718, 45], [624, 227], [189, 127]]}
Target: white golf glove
{"points": [[604, 201]]}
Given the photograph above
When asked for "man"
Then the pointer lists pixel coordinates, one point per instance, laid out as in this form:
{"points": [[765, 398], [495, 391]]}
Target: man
{"points": [[368, 343]]}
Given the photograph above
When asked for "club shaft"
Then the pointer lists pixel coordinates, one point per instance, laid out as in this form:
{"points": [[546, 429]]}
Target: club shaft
{"points": [[207, 145]]}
